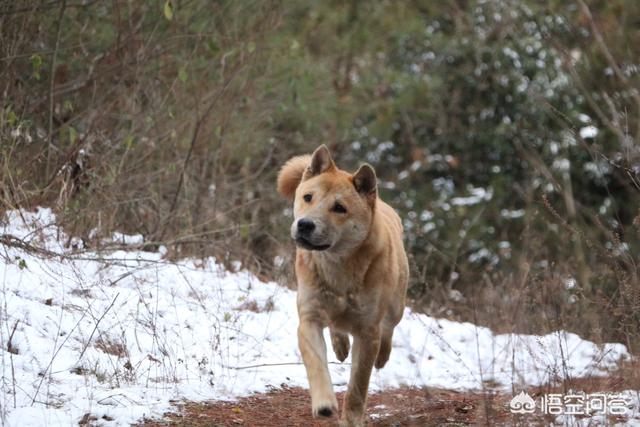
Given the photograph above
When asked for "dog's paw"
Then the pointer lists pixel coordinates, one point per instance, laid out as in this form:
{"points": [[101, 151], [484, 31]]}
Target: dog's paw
{"points": [[381, 360], [351, 421], [325, 408], [383, 354], [340, 344]]}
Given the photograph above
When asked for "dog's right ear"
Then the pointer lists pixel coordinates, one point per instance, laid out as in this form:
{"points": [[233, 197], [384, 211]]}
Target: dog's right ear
{"points": [[321, 161], [291, 173]]}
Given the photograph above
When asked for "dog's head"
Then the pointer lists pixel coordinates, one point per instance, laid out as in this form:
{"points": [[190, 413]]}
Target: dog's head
{"points": [[333, 209]]}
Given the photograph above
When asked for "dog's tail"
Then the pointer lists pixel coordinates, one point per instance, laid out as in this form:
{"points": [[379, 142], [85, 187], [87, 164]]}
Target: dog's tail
{"points": [[291, 174]]}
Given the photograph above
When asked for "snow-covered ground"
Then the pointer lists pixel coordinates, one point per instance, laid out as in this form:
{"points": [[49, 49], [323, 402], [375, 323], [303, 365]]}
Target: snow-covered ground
{"points": [[123, 335]]}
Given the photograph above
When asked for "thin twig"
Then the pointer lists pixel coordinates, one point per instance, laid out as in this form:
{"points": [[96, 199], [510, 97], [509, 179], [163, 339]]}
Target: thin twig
{"points": [[602, 45], [52, 73], [44, 6], [194, 138], [84, 349], [13, 368], [10, 347], [44, 374]]}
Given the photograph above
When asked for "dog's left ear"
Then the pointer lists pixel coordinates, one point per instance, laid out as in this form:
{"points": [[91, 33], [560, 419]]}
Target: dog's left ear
{"points": [[365, 181]]}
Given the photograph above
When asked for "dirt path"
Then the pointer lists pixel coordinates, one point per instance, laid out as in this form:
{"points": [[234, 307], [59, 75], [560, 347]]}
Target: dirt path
{"points": [[397, 407], [291, 407]]}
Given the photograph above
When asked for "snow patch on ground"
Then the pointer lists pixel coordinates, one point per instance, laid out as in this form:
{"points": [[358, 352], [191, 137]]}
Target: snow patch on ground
{"points": [[123, 335]]}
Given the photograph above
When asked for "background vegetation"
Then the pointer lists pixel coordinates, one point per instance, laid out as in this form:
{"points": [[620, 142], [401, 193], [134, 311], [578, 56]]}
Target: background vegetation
{"points": [[506, 133]]}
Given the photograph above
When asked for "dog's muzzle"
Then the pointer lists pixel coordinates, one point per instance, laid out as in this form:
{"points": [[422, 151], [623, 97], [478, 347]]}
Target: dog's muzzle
{"points": [[305, 238]]}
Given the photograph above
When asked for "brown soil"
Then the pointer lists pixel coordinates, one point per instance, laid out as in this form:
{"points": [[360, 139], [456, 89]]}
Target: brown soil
{"points": [[291, 406]]}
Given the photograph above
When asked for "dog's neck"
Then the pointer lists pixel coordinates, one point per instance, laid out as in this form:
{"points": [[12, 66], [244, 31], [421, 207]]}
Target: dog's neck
{"points": [[338, 273], [342, 272]]}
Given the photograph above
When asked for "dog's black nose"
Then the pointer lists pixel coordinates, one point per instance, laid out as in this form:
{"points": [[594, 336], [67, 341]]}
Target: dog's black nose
{"points": [[305, 226]]}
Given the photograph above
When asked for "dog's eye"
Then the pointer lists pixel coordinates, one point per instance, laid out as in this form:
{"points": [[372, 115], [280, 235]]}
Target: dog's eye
{"points": [[339, 208], [307, 197]]}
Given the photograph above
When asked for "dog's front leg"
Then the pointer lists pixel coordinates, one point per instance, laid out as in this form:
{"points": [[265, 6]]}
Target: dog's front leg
{"points": [[365, 350], [314, 356]]}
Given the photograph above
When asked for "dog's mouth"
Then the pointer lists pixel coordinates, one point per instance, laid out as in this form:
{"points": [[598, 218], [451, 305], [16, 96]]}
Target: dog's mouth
{"points": [[306, 244]]}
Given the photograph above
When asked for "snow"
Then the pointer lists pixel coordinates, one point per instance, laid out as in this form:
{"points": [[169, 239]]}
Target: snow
{"points": [[561, 165], [588, 132], [512, 214], [478, 195], [584, 118], [127, 239], [125, 334]]}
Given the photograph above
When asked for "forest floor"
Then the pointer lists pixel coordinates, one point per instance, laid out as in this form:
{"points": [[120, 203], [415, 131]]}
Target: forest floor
{"points": [[291, 406]]}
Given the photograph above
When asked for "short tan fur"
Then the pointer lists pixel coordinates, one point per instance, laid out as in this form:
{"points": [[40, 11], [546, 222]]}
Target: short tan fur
{"points": [[352, 273]]}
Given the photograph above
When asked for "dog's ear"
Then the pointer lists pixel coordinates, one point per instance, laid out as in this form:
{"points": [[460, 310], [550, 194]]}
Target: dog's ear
{"points": [[365, 181], [321, 161], [290, 175]]}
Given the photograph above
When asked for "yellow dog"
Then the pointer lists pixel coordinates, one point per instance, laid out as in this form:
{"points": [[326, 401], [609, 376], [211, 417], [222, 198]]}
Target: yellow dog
{"points": [[352, 274]]}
